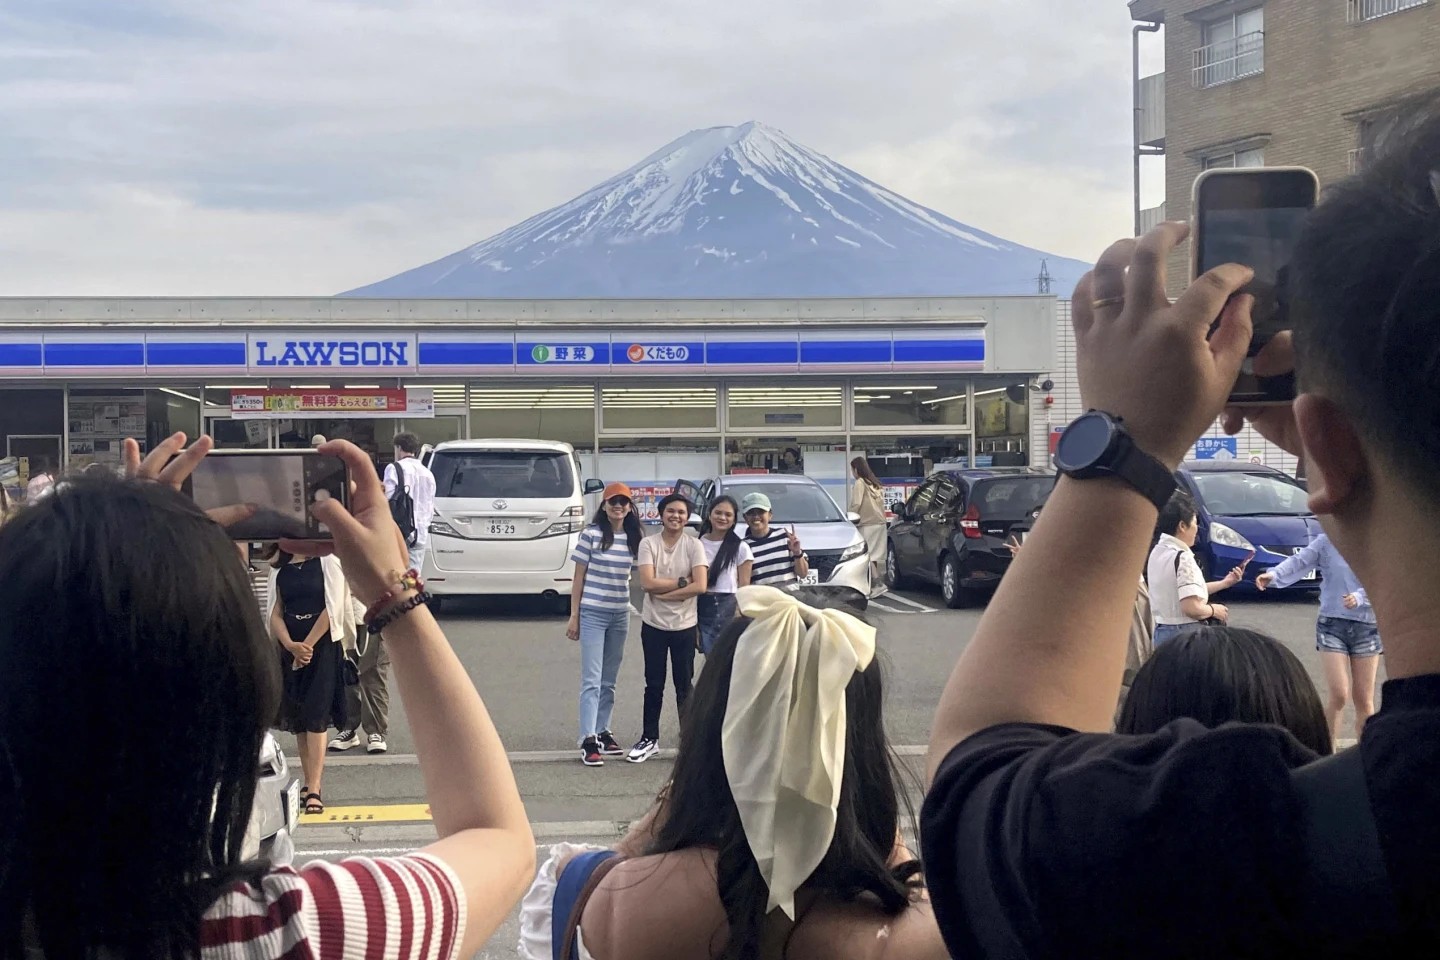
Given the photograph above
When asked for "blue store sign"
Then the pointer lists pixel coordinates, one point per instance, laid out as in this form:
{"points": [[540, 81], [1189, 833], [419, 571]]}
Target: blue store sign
{"points": [[1216, 448]]}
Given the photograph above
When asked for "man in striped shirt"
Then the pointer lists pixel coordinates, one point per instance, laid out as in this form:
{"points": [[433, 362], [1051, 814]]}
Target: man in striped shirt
{"points": [[779, 561]]}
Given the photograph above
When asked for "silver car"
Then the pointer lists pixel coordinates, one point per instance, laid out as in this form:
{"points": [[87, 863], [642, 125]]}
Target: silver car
{"points": [[277, 807], [837, 551]]}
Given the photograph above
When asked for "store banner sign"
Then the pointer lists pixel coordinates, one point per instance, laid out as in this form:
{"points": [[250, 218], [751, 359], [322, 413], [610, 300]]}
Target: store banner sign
{"points": [[561, 353], [668, 354], [381, 404], [371, 351]]}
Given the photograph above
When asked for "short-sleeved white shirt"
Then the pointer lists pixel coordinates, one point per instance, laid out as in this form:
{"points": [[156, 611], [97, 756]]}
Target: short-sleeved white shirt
{"points": [[1171, 581]]}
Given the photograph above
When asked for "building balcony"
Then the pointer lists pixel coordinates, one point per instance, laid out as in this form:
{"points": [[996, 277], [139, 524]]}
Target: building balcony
{"points": [[1226, 61], [1151, 218], [1362, 10], [1152, 111]]}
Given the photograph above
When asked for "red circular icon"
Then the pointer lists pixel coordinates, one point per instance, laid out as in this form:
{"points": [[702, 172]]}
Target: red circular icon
{"points": [[636, 353]]}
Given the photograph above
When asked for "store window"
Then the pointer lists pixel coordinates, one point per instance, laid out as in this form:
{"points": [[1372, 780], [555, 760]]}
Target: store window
{"points": [[101, 418], [820, 458], [760, 407], [32, 425], [901, 463], [918, 403], [1002, 423], [651, 465], [629, 409], [564, 413]]}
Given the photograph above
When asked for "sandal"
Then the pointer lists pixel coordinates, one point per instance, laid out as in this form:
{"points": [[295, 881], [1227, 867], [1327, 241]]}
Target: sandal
{"points": [[314, 806]]}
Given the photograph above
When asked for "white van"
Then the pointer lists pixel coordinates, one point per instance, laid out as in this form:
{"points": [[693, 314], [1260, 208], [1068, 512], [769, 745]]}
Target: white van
{"points": [[507, 515]]}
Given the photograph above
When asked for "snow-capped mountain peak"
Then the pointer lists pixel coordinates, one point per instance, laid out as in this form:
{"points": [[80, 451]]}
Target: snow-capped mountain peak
{"points": [[732, 212]]}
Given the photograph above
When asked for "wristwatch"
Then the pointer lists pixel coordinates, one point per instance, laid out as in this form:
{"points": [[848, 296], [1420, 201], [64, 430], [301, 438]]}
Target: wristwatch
{"points": [[1096, 444], [683, 583]]}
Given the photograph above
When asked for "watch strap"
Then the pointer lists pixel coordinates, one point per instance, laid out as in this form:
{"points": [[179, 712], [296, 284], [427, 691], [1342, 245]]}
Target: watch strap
{"points": [[1149, 476]]}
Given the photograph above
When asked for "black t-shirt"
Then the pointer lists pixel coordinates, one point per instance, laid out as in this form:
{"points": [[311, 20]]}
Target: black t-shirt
{"points": [[1042, 842]]}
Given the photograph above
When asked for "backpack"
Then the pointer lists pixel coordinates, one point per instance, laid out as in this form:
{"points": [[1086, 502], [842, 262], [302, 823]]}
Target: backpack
{"points": [[402, 507]]}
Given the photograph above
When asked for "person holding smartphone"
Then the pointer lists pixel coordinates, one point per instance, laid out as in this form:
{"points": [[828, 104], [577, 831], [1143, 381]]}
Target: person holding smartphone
{"points": [[164, 626], [1179, 594], [779, 558]]}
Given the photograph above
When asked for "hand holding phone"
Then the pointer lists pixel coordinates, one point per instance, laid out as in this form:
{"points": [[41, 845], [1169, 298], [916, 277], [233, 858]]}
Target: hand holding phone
{"points": [[1253, 216], [264, 496]]}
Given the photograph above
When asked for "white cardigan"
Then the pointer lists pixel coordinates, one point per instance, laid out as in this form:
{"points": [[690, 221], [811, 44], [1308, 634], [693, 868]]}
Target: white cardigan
{"points": [[340, 604]]}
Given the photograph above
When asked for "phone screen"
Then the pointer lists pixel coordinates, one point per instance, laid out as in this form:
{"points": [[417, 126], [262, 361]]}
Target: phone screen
{"points": [[282, 489], [1254, 218]]}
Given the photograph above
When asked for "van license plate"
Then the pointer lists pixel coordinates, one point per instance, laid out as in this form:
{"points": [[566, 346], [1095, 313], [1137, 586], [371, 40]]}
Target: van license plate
{"points": [[1311, 575], [497, 529], [809, 580]]}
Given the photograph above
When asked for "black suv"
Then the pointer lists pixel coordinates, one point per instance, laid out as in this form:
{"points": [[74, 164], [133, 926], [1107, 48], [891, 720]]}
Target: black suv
{"points": [[952, 530]]}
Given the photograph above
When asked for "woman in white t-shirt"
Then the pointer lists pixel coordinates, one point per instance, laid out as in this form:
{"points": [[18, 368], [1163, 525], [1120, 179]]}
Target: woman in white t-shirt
{"points": [[1178, 592], [730, 560]]}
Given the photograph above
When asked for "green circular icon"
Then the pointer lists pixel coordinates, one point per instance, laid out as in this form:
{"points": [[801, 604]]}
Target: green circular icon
{"points": [[540, 353]]}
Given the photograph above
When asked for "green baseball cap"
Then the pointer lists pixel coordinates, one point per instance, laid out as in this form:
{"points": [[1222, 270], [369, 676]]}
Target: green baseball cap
{"points": [[755, 501]]}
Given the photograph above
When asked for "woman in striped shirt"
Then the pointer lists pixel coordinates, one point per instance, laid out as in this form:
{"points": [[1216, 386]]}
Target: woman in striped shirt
{"points": [[156, 634], [600, 615]]}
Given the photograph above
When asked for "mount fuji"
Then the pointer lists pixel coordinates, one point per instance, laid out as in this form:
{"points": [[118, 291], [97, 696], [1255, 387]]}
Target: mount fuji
{"points": [[733, 212]]}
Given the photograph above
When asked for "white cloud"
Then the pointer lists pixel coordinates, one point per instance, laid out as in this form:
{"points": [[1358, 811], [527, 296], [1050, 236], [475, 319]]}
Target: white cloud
{"points": [[309, 146]]}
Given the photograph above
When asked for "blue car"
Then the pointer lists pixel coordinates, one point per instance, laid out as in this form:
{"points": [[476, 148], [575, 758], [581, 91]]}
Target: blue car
{"points": [[1244, 507]]}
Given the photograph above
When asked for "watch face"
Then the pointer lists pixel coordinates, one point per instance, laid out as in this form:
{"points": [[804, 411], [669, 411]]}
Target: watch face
{"points": [[1083, 442]]}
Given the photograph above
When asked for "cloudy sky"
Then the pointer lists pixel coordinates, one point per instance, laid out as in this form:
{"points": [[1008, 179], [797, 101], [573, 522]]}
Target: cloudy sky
{"points": [[175, 147]]}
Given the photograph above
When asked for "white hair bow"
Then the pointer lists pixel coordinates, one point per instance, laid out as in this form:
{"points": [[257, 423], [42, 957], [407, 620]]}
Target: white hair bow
{"points": [[783, 739]]}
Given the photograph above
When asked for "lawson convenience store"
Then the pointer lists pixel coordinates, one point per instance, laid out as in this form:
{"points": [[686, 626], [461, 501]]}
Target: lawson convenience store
{"points": [[646, 390]]}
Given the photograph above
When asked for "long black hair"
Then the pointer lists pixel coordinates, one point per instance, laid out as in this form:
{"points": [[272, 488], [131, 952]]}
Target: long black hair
{"points": [[124, 608], [700, 810], [634, 532], [730, 546], [1217, 675]]}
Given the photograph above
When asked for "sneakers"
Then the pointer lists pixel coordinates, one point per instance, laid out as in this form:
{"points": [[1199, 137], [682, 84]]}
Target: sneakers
{"points": [[346, 740], [644, 749], [590, 753], [609, 746], [376, 744]]}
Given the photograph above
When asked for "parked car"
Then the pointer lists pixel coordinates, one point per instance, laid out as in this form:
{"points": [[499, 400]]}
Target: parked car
{"points": [[952, 530], [507, 515], [276, 812], [837, 551], [1244, 507]]}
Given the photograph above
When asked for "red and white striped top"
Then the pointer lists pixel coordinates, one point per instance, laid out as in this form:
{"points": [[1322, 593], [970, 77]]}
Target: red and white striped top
{"points": [[403, 907]]}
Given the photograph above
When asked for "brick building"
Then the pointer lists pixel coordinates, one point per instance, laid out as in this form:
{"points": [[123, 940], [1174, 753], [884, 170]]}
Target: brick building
{"points": [[1312, 83]]}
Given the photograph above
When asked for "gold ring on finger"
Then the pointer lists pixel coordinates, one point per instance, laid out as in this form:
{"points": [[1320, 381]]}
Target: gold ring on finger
{"points": [[1106, 302]]}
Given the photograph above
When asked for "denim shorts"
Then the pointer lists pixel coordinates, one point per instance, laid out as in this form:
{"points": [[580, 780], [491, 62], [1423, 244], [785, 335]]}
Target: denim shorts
{"points": [[1350, 637]]}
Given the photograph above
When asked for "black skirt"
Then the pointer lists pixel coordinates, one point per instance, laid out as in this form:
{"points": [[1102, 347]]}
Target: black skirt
{"points": [[314, 697]]}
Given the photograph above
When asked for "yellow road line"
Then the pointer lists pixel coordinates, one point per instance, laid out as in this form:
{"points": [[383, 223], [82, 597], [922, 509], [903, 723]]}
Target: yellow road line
{"points": [[392, 813]]}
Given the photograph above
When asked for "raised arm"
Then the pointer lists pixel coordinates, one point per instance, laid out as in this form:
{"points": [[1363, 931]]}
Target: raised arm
{"points": [[1148, 362]]}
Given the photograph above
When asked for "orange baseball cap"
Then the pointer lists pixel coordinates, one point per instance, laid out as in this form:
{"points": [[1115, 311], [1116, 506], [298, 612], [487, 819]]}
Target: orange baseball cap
{"points": [[616, 490]]}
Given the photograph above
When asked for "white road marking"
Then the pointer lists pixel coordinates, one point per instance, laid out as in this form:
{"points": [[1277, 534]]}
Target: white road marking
{"points": [[899, 599]]}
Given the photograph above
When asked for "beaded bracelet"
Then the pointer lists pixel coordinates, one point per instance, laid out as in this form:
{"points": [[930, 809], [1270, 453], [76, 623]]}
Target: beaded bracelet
{"points": [[409, 580], [396, 612]]}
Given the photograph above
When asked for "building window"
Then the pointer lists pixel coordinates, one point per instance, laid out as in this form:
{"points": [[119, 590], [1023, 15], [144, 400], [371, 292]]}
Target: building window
{"points": [[768, 408], [1234, 47], [1370, 134], [1254, 157], [937, 401], [648, 409], [1362, 10], [565, 413]]}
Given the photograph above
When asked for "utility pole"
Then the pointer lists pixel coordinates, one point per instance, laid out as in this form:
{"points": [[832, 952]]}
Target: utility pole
{"points": [[1043, 281]]}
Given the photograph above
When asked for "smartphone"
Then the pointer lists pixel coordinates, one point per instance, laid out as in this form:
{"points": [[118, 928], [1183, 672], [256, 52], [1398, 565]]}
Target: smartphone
{"points": [[280, 486], [1253, 216]]}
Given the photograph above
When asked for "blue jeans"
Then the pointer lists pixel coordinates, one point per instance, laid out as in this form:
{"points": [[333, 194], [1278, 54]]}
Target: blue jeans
{"points": [[716, 610], [1169, 631], [602, 645]]}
